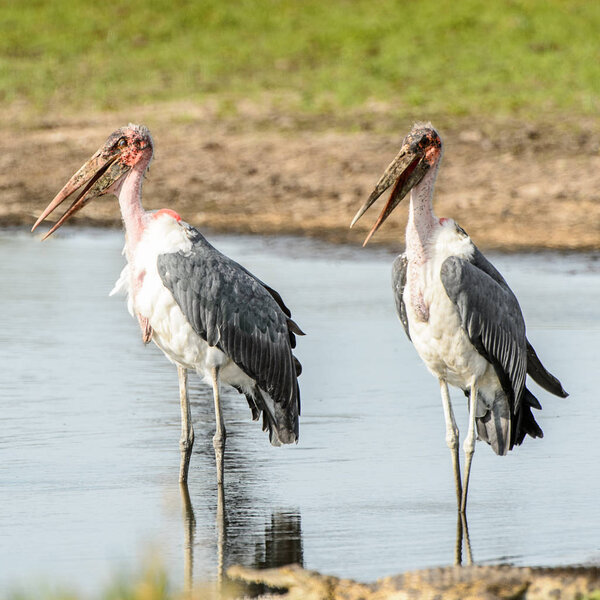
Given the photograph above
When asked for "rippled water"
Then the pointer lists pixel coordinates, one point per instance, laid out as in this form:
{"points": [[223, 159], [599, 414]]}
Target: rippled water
{"points": [[89, 421]]}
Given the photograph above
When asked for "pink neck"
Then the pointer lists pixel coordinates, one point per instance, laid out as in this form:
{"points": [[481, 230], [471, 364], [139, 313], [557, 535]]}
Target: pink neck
{"points": [[132, 211], [421, 218]]}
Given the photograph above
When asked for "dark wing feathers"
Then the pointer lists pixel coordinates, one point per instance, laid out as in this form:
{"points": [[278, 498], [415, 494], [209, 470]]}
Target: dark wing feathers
{"points": [[292, 325], [483, 264], [525, 423], [233, 310], [535, 369], [398, 285], [541, 376], [492, 318]]}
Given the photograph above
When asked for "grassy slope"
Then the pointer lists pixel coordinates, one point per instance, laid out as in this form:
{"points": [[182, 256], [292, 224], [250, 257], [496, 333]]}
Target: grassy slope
{"points": [[472, 57]]}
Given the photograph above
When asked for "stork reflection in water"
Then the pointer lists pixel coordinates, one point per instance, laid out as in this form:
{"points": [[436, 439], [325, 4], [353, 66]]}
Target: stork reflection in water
{"points": [[240, 540]]}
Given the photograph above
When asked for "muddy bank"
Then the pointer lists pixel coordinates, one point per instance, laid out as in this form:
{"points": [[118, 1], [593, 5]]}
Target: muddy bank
{"points": [[511, 185], [451, 583]]}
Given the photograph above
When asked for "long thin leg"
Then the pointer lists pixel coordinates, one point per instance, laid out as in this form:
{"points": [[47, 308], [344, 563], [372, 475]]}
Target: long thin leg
{"points": [[452, 439], [220, 434], [186, 443], [469, 445]]}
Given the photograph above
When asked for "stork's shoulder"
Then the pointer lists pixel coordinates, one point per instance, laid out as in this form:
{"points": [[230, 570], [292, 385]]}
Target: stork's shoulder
{"points": [[165, 232], [452, 240]]}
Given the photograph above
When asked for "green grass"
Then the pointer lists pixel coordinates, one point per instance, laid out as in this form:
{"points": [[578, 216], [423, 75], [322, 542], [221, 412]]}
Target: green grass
{"points": [[471, 57]]}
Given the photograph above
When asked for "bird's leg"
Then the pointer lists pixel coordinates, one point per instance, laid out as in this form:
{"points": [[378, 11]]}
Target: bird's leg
{"points": [[220, 434], [186, 443], [469, 445], [452, 439]]}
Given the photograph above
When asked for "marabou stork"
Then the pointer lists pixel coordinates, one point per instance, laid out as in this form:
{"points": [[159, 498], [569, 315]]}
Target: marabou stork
{"points": [[206, 312], [459, 312]]}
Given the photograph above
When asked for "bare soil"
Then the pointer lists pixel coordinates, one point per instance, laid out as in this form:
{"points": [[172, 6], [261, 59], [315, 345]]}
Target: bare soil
{"points": [[512, 185]]}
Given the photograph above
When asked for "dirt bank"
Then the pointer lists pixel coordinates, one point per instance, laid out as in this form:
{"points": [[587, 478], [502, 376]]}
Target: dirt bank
{"points": [[511, 185]]}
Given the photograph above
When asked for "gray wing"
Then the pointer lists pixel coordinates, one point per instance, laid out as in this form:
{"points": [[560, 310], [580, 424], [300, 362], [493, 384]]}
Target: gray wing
{"points": [[535, 368], [234, 311], [398, 285], [492, 318]]}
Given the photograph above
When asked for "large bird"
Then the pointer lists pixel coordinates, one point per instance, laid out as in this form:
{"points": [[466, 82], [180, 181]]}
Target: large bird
{"points": [[459, 312], [206, 312]]}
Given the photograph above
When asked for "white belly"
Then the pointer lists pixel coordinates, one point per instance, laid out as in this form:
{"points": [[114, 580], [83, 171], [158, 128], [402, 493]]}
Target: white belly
{"points": [[150, 299], [437, 333], [441, 341], [434, 323]]}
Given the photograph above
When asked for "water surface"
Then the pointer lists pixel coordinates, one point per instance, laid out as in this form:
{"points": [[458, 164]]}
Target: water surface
{"points": [[89, 417]]}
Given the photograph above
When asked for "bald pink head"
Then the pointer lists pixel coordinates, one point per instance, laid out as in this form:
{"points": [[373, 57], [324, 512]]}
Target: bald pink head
{"points": [[125, 149]]}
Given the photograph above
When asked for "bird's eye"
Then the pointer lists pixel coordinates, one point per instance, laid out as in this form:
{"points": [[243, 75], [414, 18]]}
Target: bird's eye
{"points": [[122, 143]]}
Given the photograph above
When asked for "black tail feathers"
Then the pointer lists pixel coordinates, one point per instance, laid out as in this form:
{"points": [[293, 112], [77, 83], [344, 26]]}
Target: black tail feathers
{"points": [[539, 373], [281, 423], [524, 423], [497, 426]]}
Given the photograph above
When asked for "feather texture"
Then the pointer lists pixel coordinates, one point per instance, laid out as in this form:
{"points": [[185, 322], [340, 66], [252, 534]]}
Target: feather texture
{"points": [[398, 284], [492, 318], [234, 311]]}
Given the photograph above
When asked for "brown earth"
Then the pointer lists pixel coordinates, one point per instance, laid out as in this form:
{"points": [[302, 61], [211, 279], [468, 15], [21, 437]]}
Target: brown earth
{"points": [[490, 582], [511, 184]]}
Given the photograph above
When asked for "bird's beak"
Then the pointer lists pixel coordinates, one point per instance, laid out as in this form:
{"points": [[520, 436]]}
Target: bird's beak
{"points": [[96, 176], [407, 169]]}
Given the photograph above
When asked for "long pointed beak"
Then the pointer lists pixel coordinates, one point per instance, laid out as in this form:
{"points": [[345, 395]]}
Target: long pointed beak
{"points": [[96, 176], [407, 169]]}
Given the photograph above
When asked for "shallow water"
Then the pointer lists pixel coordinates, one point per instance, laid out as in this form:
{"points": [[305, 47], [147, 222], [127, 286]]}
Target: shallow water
{"points": [[89, 417]]}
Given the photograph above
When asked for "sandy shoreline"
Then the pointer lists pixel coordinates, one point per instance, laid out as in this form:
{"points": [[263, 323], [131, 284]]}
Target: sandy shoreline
{"points": [[511, 186]]}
